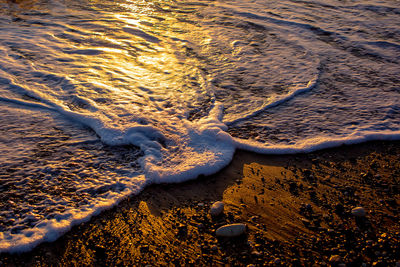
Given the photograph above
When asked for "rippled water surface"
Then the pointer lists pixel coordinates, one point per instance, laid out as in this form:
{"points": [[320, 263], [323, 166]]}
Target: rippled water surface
{"points": [[100, 98]]}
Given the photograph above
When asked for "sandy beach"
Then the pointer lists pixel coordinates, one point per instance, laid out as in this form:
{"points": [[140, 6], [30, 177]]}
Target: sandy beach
{"points": [[298, 210]]}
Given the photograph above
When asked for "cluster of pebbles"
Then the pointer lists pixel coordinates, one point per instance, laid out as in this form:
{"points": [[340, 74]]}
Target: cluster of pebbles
{"points": [[337, 207]]}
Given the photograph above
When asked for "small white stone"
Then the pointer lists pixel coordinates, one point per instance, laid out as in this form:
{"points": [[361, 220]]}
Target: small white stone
{"points": [[231, 230], [358, 212], [217, 208]]}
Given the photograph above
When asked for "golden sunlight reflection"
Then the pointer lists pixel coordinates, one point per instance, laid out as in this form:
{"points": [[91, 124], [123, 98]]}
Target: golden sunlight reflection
{"points": [[128, 20], [144, 61]]}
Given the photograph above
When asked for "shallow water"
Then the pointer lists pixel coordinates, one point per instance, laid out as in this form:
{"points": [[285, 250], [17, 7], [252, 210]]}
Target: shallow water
{"points": [[100, 98]]}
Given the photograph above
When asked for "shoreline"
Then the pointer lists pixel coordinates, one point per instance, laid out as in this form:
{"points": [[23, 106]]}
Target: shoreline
{"points": [[297, 209]]}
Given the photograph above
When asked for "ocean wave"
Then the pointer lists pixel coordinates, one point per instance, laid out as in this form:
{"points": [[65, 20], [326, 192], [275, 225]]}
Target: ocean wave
{"points": [[99, 100]]}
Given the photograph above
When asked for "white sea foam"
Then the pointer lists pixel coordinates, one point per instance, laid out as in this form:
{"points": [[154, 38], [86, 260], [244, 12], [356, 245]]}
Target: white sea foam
{"points": [[98, 101], [50, 230], [318, 143]]}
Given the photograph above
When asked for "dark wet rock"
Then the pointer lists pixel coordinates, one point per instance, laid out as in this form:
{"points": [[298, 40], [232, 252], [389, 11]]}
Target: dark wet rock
{"points": [[358, 212], [335, 259], [217, 208], [231, 230]]}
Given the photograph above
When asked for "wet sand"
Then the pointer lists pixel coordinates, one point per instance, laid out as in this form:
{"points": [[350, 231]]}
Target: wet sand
{"points": [[297, 208]]}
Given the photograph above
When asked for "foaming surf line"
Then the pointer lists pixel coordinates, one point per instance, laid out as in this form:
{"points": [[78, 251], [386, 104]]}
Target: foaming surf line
{"points": [[314, 144], [51, 229], [211, 149], [275, 102]]}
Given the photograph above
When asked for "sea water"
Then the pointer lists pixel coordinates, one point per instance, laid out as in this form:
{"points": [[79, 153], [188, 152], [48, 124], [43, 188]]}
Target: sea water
{"points": [[99, 99]]}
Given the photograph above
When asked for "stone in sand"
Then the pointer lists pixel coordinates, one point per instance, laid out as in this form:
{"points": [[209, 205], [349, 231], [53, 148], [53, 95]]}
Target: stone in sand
{"points": [[335, 259], [231, 230], [358, 212], [217, 208]]}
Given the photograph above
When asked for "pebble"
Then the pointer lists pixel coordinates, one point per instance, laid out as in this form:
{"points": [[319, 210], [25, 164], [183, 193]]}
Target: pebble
{"points": [[256, 253], [335, 259], [217, 208], [231, 230], [358, 212]]}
